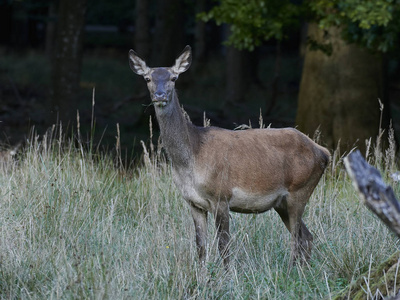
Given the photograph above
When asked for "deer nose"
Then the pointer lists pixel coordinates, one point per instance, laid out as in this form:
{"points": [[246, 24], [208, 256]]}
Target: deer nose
{"points": [[159, 95]]}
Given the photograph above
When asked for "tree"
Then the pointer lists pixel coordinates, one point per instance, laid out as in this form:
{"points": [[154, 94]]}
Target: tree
{"points": [[142, 32], [343, 70], [250, 23], [339, 92], [253, 22], [51, 29], [67, 59], [238, 77], [200, 33], [5, 21], [168, 33], [370, 25], [381, 200]]}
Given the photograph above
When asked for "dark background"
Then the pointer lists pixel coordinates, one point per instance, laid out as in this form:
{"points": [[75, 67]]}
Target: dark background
{"points": [[54, 53]]}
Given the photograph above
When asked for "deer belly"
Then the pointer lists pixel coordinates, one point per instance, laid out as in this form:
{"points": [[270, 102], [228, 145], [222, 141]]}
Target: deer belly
{"points": [[247, 202]]}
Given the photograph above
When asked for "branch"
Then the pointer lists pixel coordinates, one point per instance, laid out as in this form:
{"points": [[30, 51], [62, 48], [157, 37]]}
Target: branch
{"points": [[377, 196]]}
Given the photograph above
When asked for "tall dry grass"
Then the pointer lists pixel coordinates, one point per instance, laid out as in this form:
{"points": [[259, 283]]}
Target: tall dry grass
{"points": [[76, 225]]}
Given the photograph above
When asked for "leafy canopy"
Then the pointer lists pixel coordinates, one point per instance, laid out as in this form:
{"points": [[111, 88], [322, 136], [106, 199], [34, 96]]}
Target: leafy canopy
{"points": [[373, 24], [254, 21]]}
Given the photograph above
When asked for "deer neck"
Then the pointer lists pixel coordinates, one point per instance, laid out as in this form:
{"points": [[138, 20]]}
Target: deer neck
{"points": [[176, 132]]}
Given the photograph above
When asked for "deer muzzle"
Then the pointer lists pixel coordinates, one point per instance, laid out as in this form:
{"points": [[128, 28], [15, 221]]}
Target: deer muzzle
{"points": [[160, 99]]}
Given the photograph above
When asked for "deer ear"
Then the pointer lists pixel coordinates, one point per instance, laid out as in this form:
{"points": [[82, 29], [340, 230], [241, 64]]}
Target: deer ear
{"points": [[137, 64], [182, 63]]}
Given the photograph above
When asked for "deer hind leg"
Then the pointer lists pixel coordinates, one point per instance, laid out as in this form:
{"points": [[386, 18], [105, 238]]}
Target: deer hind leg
{"points": [[222, 225], [291, 212], [306, 241], [301, 237], [200, 224]]}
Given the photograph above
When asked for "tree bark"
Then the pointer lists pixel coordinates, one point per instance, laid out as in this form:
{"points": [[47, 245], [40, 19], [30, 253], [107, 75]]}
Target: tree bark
{"points": [[66, 71], [241, 69], [19, 25], [6, 14], [142, 33], [380, 199], [169, 33], [377, 196], [51, 29], [236, 79], [270, 103], [339, 93], [241, 72], [200, 33]]}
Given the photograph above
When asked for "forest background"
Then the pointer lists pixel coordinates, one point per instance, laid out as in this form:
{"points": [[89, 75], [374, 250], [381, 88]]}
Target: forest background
{"points": [[76, 223], [311, 64]]}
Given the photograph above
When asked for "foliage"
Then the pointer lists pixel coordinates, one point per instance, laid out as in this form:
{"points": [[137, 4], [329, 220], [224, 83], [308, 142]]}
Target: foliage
{"points": [[252, 22], [372, 24]]}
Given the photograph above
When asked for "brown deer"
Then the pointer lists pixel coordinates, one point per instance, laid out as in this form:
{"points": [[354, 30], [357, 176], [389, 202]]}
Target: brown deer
{"points": [[219, 170]]}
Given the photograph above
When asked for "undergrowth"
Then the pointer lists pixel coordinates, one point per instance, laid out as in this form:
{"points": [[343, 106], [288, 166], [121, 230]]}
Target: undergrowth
{"points": [[76, 224]]}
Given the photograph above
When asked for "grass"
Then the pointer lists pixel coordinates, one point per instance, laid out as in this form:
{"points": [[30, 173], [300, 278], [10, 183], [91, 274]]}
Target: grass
{"points": [[76, 225]]}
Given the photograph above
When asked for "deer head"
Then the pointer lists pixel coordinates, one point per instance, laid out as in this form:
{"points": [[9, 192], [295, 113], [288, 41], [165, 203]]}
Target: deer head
{"points": [[161, 81]]}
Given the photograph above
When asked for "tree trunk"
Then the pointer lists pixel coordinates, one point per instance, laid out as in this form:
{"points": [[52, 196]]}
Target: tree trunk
{"points": [[51, 30], [381, 200], [270, 103], [241, 72], [236, 85], [339, 93], [240, 68], [142, 37], [168, 35], [200, 34], [19, 25], [6, 14], [67, 60], [376, 195]]}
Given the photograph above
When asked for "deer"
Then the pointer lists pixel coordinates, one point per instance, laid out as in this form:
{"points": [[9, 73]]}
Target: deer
{"points": [[219, 171]]}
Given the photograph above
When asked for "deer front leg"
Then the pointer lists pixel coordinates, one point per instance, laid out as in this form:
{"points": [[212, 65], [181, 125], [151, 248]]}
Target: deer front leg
{"points": [[222, 224], [200, 224]]}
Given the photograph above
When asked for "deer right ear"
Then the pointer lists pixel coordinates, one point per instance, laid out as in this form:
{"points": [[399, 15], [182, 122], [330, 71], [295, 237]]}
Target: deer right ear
{"points": [[137, 64], [182, 63]]}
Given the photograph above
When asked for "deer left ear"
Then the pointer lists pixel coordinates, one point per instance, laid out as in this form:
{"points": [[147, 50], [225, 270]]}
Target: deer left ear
{"points": [[137, 64], [182, 63]]}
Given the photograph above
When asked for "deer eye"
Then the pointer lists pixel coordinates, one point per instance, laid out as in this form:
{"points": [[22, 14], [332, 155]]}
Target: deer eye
{"points": [[173, 79], [147, 79]]}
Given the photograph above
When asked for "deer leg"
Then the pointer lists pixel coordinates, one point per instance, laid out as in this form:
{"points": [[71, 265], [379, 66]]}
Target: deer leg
{"points": [[301, 238], [222, 225], [284, 214], [200, 224], [294, 228], [306, 241]]}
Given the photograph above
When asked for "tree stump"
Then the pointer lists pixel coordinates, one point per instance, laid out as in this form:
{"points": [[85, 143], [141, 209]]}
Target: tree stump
{"points": [[377, 196], [382, 282]]}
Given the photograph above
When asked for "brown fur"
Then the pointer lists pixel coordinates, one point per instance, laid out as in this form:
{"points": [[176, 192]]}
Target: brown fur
{"points": [[219, 170]]}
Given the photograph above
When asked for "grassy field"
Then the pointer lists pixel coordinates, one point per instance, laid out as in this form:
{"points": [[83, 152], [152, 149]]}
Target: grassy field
{"points": [[76, 225]]}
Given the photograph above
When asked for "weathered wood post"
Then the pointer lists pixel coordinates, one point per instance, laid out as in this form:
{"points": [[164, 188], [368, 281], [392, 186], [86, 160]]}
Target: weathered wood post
{"points": [[377, 196], [380, 199]]}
